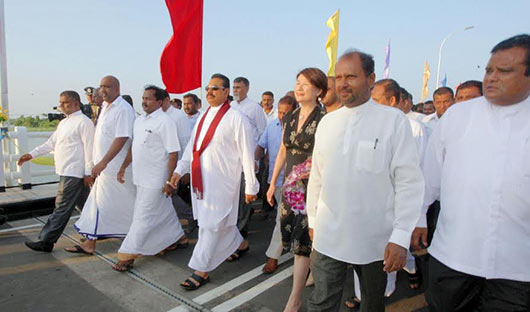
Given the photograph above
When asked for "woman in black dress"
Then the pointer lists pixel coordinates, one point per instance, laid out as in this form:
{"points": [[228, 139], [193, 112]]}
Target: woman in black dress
{"points": [[299, 127]]}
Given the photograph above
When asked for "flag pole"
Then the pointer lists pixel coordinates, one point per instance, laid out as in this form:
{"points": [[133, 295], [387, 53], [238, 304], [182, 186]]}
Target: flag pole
{"points": [[3, 62]]}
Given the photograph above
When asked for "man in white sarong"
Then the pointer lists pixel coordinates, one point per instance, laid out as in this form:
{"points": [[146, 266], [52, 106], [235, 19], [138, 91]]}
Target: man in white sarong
{"points": [[155, 225], [108, 210], [221, 147]]}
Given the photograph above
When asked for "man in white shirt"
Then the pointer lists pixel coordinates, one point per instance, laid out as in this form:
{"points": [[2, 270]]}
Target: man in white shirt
{"points": [[72, 146], [221, 147], [257, 120], [388, 92], [364, 193], [182, 125], [180, 120], [443, 98], [478, 165], [270, 143], [407, 104], [428, 108], [191, 105], [468, 90], [267, 103], [108, 210], [331, 101], [155, 226]]}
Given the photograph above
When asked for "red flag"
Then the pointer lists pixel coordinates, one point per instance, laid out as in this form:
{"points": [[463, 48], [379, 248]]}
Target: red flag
{"points": [[181, 60]]}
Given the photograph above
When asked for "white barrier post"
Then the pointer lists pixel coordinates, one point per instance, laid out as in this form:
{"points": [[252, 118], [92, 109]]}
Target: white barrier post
{"points": [[2, 175], [21, 148]]}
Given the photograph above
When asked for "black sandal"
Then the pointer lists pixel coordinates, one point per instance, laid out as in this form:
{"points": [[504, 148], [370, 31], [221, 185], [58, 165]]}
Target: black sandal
{"points": [[353, 303], [414, 280], [191, 284], [237, 254]]}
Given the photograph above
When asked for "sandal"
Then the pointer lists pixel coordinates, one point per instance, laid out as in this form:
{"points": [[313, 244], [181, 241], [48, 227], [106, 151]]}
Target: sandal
{"points": [[414, 280], [237, 254], [123, 266], [353, 303], [190, 283], [78, 249], [177, 245]]}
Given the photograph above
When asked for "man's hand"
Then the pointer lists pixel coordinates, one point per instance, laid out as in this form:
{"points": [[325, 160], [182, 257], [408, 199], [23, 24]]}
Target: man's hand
{"points": [[120, 175], [174, 180], [419, 238], [311, 234], [168, 189], [395, 258], [24, 158], [88, 181], [270, 194], [98, 168], [250, 198]]}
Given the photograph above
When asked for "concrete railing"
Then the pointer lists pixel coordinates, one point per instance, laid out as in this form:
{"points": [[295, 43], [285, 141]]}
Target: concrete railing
{"points": [[12, 148]]}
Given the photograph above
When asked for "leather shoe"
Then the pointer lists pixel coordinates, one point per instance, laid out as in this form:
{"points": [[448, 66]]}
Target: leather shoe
{"points": [[270, 266], [40, 246]]}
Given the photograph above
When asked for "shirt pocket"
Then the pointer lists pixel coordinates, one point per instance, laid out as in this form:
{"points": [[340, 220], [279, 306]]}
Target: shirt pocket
{"points": [[151, 140], [370, 156]]}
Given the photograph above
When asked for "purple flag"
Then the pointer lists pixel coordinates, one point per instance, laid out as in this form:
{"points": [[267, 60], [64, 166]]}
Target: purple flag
{"points": [[387, 61]]}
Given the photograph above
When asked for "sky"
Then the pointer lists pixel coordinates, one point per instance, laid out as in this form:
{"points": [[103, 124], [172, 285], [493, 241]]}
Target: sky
{"points": [[61, 45]]}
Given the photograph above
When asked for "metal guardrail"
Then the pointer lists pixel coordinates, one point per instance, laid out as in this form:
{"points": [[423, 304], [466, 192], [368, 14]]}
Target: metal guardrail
{"points": [[11, 149]]}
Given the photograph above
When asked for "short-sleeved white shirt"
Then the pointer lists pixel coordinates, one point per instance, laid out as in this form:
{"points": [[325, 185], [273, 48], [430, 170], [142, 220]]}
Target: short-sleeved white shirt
{"points": [[154, 138], [115, 121]]}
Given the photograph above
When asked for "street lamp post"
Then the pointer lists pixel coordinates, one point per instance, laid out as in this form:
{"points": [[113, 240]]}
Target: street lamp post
{"points": [[440, 53]]}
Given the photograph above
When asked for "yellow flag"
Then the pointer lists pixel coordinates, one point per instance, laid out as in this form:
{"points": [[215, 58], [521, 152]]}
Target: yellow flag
{"points": [[426, 76], [333, 42]]}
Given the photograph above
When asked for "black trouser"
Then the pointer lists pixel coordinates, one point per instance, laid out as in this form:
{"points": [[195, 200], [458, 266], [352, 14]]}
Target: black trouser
{"points": [[245, 211], [72, 192], [450, 290], [181, 200], [330, 274], [432, 219]]}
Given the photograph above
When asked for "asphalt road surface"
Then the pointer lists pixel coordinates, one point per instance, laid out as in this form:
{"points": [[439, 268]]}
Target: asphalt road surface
{"points": [[61, 281]]}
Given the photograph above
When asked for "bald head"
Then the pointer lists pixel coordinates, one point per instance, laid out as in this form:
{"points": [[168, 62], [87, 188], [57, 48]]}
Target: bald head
{"points": [[109, 88]]}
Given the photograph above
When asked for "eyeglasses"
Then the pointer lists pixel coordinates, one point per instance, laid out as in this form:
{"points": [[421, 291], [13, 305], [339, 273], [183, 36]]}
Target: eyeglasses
{"points": [[213, 88]]}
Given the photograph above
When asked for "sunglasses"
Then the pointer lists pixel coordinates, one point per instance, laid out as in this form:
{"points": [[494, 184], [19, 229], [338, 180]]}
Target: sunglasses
{"points": [[213, 88]]}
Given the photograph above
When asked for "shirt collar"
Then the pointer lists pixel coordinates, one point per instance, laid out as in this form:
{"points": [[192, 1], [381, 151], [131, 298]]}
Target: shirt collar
{"points": [[79, 112], [153, 114], [116, 102]]}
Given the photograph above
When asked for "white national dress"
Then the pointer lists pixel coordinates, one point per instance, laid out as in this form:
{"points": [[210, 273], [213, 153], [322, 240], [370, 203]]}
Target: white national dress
{"points": [[229, 153]]}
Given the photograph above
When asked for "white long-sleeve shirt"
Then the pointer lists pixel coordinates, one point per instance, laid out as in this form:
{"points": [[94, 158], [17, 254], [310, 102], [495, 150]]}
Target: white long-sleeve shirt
{"points": [[430, 122], [154, 139], [230, 152], [182, 125], [366, 187], [420, 136], [72, 145], [116, 120], [478, 164], [256, 117], [415, 115]]}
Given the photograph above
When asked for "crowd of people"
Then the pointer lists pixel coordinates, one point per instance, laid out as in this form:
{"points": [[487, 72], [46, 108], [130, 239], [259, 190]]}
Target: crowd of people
{"points": [[360, 177]]}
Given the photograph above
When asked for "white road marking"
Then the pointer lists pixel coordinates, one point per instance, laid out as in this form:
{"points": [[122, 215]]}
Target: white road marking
{"points": [[29, 226], [254, 291], [229, 285]]}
